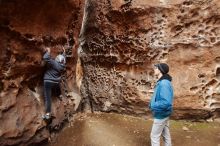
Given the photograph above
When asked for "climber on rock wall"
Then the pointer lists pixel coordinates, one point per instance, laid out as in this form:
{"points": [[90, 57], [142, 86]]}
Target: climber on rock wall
{"points": [[52, 78]]}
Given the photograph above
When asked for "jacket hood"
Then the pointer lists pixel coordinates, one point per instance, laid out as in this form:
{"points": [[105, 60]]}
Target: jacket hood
{"points": [[165, 77]]}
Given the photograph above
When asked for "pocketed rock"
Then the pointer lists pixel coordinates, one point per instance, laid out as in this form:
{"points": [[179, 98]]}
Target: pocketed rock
{"points": [[121, 40]]}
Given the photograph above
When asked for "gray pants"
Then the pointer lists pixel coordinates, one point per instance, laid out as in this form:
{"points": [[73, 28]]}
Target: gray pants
{"points": [[160, 126]]}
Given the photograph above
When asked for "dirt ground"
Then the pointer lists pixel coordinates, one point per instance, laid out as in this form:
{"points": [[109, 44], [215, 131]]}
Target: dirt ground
{"points": [[119, 130]]}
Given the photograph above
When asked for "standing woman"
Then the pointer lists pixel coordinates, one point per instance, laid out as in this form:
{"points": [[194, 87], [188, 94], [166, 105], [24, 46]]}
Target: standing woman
{"points": [[161, 105]]}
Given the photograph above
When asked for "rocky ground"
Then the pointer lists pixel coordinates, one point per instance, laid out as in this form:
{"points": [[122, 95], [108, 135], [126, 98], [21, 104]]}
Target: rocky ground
{"points": [[101, 129]]}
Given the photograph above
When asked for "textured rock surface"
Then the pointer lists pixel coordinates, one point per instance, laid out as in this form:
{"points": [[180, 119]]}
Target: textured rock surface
{"points": [[121, 39], [25, 28]]}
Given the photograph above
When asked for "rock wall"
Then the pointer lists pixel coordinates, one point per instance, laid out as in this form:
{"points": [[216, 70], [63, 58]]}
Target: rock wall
{"points": [[121, 40], [27, 26]]}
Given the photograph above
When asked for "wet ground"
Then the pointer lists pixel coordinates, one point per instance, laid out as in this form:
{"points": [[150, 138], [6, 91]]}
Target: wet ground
{"points": [[119, 130]]}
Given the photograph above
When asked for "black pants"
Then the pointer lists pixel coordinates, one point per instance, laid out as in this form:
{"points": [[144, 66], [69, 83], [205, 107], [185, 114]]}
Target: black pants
{"points": [[49, 88]]}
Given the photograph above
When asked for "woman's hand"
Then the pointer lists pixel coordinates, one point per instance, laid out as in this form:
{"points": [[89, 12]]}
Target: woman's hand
{"points": [[64, 51], [47, 49]]}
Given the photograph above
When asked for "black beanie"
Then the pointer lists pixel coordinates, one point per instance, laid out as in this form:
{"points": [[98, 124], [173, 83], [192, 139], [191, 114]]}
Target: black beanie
{"points": [[163, 67]]}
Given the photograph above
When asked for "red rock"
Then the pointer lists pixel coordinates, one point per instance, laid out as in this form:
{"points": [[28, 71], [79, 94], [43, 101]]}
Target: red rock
{"points": [[111, 64], [25, 28]]}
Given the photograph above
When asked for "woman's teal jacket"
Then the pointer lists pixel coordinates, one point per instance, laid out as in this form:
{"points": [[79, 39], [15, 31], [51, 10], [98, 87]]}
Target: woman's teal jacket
{"points": [[161, 103]]}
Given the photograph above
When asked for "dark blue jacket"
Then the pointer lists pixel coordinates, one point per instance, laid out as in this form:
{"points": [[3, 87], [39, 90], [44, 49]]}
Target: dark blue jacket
{"points": [[54, 69], [161, 103]]}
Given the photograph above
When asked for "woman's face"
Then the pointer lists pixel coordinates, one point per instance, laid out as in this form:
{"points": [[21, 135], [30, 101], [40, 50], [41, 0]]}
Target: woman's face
{"points": [[156, 71]]}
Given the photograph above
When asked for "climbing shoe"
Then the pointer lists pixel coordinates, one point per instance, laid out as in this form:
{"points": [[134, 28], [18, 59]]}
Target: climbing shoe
{"points": [[47, 116]]}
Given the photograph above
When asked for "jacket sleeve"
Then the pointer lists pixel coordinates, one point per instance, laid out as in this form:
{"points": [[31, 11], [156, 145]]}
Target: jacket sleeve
{"points": [[165, 100], [48, 59]]}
